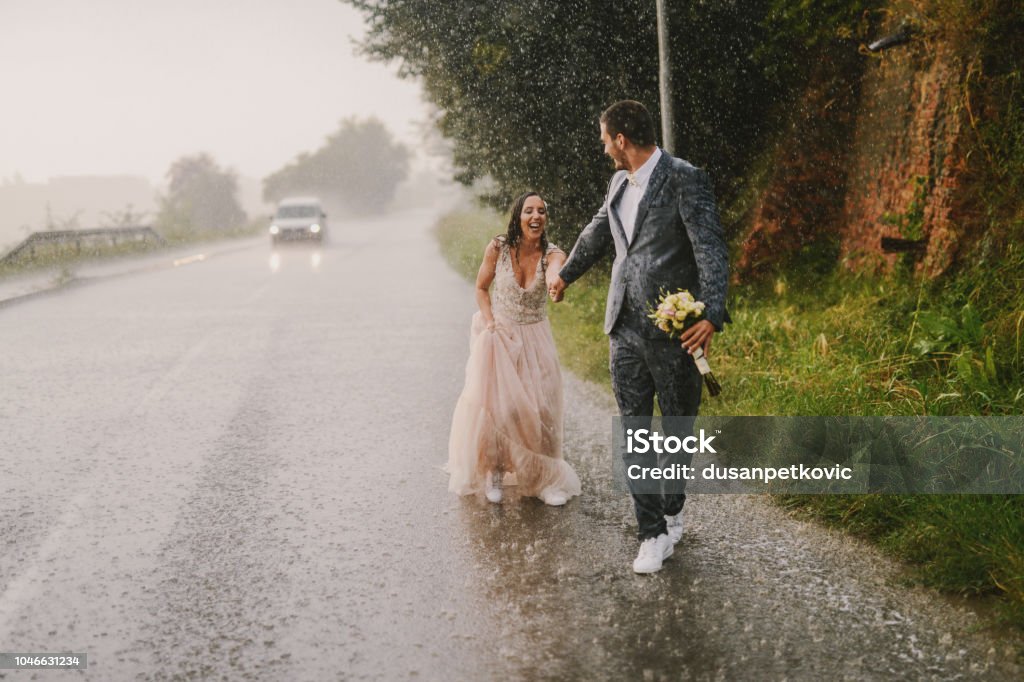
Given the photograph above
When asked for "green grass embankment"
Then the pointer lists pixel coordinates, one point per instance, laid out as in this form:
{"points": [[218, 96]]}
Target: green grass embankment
{"points": [[839, 345]]}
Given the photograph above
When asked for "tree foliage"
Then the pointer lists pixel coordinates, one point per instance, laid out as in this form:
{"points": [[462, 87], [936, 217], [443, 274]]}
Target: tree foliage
{"points": [[519, 84], [358, 166], [201, 196]]}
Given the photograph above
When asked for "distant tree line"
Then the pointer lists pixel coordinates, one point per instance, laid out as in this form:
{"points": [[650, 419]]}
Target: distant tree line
{"points": [[201, 197], [358, 166]]}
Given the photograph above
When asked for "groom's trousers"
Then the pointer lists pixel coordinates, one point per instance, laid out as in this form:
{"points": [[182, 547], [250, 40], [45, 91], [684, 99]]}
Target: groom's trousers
{"points": [[642, 368]]}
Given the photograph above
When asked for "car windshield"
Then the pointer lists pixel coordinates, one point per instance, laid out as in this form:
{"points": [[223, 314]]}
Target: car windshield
{"points": [[297, 212]]}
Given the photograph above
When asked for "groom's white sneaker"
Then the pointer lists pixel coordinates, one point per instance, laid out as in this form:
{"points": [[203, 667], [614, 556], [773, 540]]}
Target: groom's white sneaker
{"points": [[653, 551], [674, 526]]}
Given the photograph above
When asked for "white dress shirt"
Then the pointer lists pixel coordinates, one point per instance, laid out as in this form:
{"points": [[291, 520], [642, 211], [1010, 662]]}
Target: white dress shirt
{"points": [[629, 202]]}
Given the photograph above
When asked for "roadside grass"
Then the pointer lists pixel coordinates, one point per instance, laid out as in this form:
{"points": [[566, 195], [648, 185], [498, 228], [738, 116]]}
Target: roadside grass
{"points": [[838, 344], [66, 256], [970, 545]]}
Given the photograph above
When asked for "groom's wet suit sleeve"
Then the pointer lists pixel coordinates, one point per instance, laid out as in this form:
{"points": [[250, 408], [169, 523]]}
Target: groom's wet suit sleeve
{"points": [[700, 216], [592, 244]]}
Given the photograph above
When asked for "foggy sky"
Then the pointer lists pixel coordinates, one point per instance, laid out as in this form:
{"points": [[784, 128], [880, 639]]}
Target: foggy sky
{"points": [[127, 86]]}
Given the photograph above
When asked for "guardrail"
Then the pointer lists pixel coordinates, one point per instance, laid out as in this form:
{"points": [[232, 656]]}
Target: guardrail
{"points": [[111, 236]]}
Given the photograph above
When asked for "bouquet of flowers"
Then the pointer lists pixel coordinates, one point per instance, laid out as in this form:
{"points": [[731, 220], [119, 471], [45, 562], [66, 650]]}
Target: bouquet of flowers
{"points": [[676, 312]]}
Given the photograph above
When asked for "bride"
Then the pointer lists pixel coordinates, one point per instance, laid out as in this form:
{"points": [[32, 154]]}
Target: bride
{"points": [[508, 419]]}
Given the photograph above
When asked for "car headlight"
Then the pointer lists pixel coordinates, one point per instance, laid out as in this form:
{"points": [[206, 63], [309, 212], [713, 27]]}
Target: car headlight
{"points": [[274, 229], [314, 228]]}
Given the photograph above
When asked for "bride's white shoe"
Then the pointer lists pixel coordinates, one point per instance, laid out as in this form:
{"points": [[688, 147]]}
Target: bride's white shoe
{"points": [[492, 487], [553, 497]]}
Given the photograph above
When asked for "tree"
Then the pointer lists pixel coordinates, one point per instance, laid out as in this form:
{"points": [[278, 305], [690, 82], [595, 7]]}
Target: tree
{"points": [[200, 197], [520, 83], [360, 166]]}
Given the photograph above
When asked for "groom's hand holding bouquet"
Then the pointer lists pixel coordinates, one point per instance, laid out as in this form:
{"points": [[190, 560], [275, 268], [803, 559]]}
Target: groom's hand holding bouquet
{"points": [[679, 316]]}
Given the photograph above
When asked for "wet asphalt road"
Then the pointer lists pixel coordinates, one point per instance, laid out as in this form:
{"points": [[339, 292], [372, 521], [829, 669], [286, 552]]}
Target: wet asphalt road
{"points": [[232, 470]]}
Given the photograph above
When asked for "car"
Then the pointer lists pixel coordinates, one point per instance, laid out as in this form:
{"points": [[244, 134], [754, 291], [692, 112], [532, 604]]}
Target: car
{"points": [[298, 218]]}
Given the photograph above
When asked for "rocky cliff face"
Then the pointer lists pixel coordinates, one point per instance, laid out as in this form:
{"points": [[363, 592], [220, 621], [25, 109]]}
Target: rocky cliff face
{"points": [[807, 174], [876, 150], [907, 158]]}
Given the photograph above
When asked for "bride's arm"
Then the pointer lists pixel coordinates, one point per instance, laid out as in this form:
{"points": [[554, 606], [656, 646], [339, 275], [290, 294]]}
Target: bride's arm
{"points": [[556, 259], [484, 277]]}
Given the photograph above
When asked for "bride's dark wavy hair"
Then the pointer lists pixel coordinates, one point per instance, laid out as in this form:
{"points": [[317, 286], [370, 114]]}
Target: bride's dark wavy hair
{"points": [[514, 234]]}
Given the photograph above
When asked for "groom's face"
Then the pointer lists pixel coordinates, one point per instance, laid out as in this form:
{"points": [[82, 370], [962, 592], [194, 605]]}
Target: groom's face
{"points": [[613, 147]]}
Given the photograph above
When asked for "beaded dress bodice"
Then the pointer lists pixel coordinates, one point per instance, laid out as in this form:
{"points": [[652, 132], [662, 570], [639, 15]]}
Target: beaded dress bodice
{"points": [[513, 302]]}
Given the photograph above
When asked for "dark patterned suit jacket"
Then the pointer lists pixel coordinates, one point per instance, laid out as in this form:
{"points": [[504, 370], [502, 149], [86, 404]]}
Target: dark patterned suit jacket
{"points": [[678, 243]]}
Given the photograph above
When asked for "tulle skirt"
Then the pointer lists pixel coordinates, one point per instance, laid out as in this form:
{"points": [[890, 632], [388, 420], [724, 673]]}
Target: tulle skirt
{"points": [[509, 416]]}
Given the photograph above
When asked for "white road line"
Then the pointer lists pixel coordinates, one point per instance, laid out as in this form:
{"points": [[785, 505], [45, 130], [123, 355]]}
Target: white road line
{"points": [[188, 260], [165, 382], [258, 293], [21, 590]]}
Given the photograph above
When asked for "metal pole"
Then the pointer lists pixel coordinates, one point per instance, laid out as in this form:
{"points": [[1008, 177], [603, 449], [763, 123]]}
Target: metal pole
{"points": [[668, 142]]}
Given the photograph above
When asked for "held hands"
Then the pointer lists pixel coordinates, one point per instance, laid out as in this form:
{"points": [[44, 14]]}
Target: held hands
{"points": [[698, 336], [556, 288]]}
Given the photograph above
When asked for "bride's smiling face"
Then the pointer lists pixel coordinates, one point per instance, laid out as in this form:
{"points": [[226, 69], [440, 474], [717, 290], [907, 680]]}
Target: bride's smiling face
{"points": [[534, 217]]}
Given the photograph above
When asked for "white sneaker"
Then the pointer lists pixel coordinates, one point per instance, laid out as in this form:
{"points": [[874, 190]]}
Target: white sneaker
{"points": [[674, 525], [653, 551], [492, 487], [553, 497]]}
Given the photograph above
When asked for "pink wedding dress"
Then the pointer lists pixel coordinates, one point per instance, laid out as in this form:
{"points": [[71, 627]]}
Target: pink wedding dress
{"points": [[509, 416]]}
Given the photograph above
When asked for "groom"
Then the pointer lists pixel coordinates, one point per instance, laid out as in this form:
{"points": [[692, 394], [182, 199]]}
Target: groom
{"points": [[659, 214]]}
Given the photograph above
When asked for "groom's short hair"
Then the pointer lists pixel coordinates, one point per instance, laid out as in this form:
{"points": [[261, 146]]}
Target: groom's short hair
{"points": [[632, 119]]}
